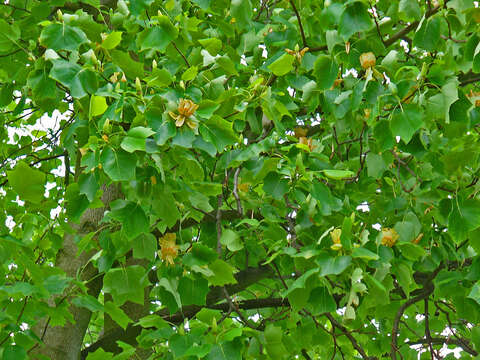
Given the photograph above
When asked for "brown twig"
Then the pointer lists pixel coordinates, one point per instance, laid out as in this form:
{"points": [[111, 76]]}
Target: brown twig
{"points": [[235, 192], [181, 54], [302, 33], [349, 336], [428, 335], [219, 224], [400, 34]]}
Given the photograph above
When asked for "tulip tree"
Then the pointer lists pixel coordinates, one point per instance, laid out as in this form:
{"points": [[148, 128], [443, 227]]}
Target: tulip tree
{"points": [[244, 179]]}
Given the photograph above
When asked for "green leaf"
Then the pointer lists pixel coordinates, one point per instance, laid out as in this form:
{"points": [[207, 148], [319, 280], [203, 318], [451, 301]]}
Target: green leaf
{"points": [[355, 18], [475, 292], [405, 123], [88, 185], [230, 350], [411, 9], [99, 354], [137, 7], [326, 71], [136, 139], [118, 164], [326, 201], [9, 35], [321, 301], [170, 285], [333, 265], [126, 284], [145, 247], [62, 37], [274, 185], [212, 45], [98, 105], [411, 251], [377, 293], [80, 81], [193, 291], [117, 314], [464, 217], [375, 165], [274, 345], [428, 36], [408, 228], [190, 74], [164, 205], [76, 203], [338, 174], [219, 132], [283, 65], [29, 183], [230, 239], [223, 273], [112, 40], [159, 78], [242, 12], [131, 215], [206, 109], [132, 68], [365, 254], [157, 37], [200, 255], [14, 352], [227, 65], [88, 302]]}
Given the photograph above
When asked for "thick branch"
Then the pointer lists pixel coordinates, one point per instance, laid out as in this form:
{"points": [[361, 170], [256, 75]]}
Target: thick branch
{"points": [[244, 279], [425, 293]]}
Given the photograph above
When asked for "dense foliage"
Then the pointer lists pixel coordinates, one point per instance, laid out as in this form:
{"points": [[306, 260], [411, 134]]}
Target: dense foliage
{"points": [[239, 179]]}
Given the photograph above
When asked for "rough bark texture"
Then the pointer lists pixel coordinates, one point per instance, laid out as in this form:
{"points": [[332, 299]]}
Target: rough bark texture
{"points": [[64, 342]]}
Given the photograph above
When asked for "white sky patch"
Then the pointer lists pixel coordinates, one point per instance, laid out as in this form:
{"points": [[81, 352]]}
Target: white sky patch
{"points": [[387, 79], [363, 207], [9, 222], [243, 60], [55, 212], [404, 44], [351, 71], [254, 317], [48, 187], [19, 202], [264, 52], [377, 226]]}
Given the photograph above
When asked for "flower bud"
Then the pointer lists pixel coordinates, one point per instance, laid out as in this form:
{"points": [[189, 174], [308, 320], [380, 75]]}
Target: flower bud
{"points": [[367, 60]]}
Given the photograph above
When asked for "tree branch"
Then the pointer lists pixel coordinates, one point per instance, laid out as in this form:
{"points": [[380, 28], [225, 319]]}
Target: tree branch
{"points": [[302, 33], [349, 336], [400, 34]]}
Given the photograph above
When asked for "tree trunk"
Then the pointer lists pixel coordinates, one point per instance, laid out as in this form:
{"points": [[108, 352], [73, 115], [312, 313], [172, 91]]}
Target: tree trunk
{"points": [[65, 342]]}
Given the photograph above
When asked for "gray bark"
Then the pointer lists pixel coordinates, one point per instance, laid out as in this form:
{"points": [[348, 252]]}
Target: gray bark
{"points": [[64, 342]]}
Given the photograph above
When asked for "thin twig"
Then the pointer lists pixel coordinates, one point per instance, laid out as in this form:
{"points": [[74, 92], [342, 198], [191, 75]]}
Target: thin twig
{"points": [[235, 192], [428, 335], [219, 224], [302, 33], [181, 54]]}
